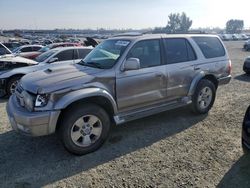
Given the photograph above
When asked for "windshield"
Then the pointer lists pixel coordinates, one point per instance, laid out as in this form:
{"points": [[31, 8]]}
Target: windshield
{"points": [[16, 49], [106, 54], [45, 55]]}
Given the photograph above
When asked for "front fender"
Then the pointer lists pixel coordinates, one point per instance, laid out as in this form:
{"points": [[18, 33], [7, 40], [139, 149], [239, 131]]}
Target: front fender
{"points": [[84, 93]]}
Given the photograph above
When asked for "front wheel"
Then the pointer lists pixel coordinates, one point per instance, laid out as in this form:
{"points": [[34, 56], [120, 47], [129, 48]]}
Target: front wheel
{"points": [[12, 83], [84, 128], [204, 96]]}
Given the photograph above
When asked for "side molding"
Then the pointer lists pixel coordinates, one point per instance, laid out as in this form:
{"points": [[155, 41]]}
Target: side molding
{"points": [[84, 93]]}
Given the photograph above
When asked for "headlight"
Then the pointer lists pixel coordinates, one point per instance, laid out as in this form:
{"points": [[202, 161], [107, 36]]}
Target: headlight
{"points": [[41, 100], [28, 100]]}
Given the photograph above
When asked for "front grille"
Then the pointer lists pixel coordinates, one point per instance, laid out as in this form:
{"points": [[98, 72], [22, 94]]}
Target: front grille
{"points": [[19, 89], [19, 95]]}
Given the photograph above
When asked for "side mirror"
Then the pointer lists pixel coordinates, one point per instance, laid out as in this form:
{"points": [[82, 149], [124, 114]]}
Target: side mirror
{"points": [[54, 59], [131, 64]]}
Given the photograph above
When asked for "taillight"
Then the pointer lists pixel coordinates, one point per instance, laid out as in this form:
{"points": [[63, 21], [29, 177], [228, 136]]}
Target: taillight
{"points": [[230, 67]]}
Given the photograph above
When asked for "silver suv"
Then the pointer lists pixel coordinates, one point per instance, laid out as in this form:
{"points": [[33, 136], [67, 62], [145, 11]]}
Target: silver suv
{"points": [[122, 79]]}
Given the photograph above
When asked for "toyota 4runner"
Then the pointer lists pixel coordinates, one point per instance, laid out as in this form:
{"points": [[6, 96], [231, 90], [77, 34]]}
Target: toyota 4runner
{"points": [[124, 78]]}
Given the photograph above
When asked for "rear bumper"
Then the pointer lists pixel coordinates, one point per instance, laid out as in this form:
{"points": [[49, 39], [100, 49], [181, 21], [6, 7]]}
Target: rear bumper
{"points": [[224, 80], [31, 123]]}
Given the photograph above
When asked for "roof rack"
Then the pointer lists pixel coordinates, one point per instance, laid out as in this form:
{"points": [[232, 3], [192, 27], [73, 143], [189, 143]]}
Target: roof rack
{"points": [[128, 34]]}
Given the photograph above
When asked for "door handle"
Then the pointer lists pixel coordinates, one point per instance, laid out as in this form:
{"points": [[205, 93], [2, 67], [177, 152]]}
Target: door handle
{"points": [[158, 75]]}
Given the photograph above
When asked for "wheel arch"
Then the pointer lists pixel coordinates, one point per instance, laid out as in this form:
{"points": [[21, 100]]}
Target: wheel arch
{"points": [[199, 77], [95, 96]]}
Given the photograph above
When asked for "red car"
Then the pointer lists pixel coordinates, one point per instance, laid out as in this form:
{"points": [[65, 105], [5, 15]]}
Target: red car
{"points": [[33, 55]]}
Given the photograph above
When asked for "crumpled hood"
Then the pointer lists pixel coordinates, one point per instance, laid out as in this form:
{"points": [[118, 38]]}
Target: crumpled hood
{"points": [[58, 78], [17, 59]]}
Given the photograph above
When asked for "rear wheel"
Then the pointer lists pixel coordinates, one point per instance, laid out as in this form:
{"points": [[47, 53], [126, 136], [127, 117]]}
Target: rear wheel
{"points": [[12, 83], [204, 96], [84, 129], [245, 149]]}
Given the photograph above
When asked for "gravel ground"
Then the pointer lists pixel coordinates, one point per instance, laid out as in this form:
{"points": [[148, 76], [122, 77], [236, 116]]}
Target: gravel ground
{"points": [[171, 149]]}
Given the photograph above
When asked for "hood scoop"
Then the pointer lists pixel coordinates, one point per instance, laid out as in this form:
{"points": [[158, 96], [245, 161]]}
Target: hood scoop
{"points": [[48, 70]]}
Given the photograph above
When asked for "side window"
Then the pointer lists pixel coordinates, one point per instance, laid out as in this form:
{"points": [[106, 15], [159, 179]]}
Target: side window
{"points": [[148, 52], [36, 48], [65, 55], [210, 46], [26, 49], [178, 50], [83, 52]]}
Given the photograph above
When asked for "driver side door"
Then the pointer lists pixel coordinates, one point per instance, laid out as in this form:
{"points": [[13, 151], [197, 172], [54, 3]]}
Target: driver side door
{"points": [[147, 85]]}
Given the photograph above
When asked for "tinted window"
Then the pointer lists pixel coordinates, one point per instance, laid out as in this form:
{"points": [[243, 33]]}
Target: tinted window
{"points": [[210, 46], [65, 55], [36, 48], [82, 53], [26, 49], [3, 50], [178, 50], [44, 56], [148, 52]]}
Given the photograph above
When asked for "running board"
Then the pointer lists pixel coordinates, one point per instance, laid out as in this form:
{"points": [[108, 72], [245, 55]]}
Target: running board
{"points": [[126, 117]]}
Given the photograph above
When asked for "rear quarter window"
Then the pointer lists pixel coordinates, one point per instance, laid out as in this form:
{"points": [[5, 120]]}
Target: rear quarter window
{"points": [[211, 47]]}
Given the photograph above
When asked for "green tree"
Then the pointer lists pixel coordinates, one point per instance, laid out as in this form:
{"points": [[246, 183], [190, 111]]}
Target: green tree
{"points": [[234, 26], [178, 23]]}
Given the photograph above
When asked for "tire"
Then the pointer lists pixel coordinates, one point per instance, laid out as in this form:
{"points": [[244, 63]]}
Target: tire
{"points": [[204, 96], [247, 72], [245, 149], [10, 85], [79, 134]]}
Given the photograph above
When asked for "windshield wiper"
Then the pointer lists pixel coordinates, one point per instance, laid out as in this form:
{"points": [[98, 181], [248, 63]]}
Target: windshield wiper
{"points": [[91, 64]]}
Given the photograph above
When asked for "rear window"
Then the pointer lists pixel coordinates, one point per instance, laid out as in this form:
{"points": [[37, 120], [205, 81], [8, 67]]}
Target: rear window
{"points": [[210, 46]]}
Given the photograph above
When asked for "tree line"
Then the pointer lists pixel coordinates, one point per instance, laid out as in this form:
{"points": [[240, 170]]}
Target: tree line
{"points": [[181, 23]]}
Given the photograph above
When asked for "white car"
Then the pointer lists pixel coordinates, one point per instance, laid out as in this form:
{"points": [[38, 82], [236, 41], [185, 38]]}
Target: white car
{"points": [[10, 74], [4, 50]]}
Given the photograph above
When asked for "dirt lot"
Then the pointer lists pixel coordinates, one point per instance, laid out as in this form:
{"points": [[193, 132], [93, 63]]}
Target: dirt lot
{"points": [[171, 149]]}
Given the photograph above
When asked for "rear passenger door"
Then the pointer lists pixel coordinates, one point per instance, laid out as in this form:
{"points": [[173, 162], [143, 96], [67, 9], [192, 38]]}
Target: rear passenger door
{"points": [[180, 58]]}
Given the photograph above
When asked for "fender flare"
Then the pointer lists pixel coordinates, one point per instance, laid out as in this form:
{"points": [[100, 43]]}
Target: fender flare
{"points": [[195, 82], [74, 96]]}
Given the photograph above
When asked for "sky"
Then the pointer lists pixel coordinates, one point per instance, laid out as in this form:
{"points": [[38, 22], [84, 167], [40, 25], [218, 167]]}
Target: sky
{"points": [[117, 14]]}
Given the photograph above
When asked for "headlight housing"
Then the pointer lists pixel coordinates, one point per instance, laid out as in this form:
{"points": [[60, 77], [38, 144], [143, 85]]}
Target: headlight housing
{"points": [[28, 100], [41, 100]]}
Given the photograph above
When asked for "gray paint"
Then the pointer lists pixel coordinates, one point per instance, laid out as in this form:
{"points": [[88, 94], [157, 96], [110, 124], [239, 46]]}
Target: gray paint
{"points": [[133, 93]]}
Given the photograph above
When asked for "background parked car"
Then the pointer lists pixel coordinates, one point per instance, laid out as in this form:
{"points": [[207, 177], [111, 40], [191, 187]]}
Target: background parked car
{"points": [[12, 45], [246, 132], [246, 45], [244, 36], [34, 54], [8, 63], [51, 58], [26, 48], [225, 37], [4, 50], [246, 65]]}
